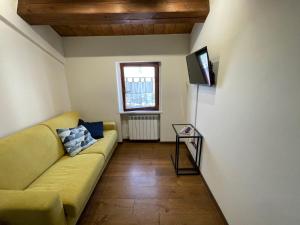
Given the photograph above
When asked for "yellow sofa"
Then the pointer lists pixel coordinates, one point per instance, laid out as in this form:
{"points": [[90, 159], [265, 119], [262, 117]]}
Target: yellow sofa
{"points": [[39, 184]]}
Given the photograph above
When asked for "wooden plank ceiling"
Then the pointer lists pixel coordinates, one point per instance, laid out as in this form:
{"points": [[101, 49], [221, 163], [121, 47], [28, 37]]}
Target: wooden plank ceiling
{"points": [[115, 17]]}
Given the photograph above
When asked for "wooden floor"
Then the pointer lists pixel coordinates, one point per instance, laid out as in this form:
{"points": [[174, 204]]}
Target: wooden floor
{"points": [[139, 187]]}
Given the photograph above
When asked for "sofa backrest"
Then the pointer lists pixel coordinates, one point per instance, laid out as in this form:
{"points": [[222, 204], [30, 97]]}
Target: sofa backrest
{"points": [[24, 156], [66, 120]]}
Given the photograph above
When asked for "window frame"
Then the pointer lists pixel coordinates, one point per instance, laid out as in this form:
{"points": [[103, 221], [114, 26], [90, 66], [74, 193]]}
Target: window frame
{"points": [[141, 64]]}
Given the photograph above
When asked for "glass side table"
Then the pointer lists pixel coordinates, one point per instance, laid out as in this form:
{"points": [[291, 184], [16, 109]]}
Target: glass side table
{"points": [[194, 139]]}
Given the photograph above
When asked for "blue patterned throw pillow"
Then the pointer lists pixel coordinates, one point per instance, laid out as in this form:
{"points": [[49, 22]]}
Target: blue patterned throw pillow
{"points": [[75, 139]]}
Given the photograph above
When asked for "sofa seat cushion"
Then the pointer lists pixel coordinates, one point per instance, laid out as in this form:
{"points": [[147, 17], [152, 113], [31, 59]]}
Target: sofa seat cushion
{"points": [[73, 178], [103, 146]]}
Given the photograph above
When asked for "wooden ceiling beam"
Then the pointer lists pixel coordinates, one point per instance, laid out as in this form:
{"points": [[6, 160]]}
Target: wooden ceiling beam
{"points": [[123, 29], [87, 12]]}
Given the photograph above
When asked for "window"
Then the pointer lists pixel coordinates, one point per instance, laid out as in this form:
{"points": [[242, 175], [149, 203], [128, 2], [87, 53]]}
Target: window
{"points": [[140, 86]]}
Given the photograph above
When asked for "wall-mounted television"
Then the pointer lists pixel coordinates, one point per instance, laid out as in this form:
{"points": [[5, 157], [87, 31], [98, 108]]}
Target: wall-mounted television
{"points": [[200, 68]]}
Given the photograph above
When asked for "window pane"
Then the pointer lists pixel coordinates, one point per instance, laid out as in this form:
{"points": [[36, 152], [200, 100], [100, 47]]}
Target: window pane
{"points": [[139, 86]]}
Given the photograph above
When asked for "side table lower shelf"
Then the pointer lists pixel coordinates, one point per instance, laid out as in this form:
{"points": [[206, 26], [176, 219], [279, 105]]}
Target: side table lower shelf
{"points": [[184, 171]]}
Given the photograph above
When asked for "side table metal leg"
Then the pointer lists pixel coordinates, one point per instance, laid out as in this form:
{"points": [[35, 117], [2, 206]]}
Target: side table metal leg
{"points": [[197, 153], [177, 154], [200, 150]]}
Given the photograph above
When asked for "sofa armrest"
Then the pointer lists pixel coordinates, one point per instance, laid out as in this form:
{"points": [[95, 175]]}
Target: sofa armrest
{"points": [[31, 208], [109, 126]]}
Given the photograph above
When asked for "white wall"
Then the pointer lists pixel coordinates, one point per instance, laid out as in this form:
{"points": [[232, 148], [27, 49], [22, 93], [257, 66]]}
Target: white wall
{"points": [[32, 78], [52, 38], [91, 74], [251, 120]]}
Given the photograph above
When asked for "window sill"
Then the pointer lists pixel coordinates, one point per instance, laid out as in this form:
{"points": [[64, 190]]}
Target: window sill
{"points": [[141, 112]]}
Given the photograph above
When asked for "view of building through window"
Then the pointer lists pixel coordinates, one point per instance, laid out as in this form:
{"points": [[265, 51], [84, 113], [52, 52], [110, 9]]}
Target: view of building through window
{"points": [[140, 86]]}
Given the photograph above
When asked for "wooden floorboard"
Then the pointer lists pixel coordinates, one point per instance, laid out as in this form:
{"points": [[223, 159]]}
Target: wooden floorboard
{"points": [[139, 187]]}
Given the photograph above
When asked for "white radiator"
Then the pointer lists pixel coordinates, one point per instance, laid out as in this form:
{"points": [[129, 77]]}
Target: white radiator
{"points": [[143, 127]]}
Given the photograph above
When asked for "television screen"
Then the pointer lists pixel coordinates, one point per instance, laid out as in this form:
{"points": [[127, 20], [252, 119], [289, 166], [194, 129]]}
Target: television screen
{"points": [[200, 68]]}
